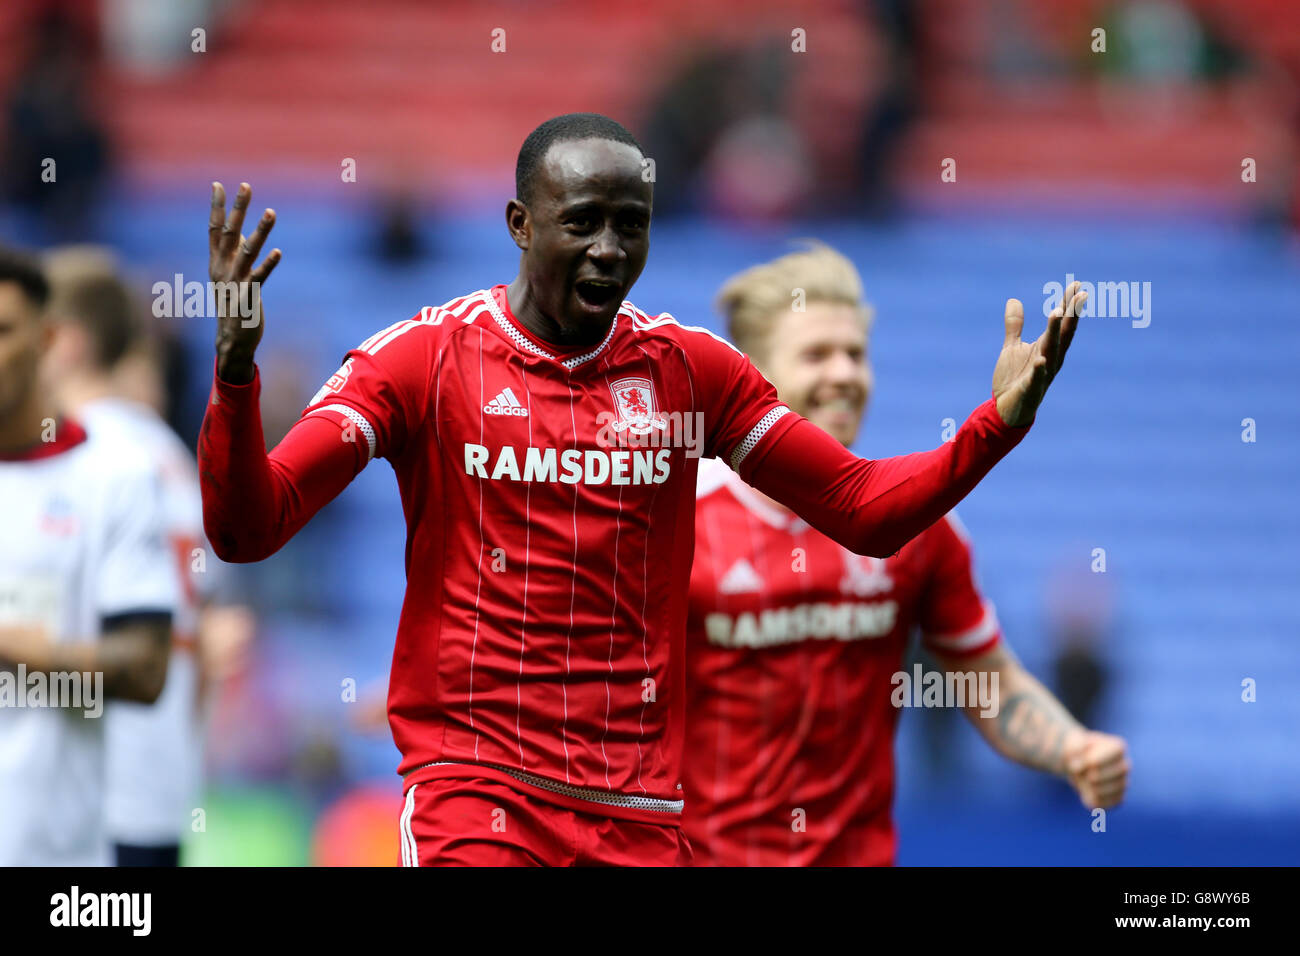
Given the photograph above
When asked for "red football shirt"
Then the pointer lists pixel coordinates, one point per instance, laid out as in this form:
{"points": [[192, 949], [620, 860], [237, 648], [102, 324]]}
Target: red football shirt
{"points": [[546, 566], [549, 498], [791, 648]]}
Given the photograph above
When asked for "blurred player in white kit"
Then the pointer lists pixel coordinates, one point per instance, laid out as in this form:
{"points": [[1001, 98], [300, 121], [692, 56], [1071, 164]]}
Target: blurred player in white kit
{"points": [[88, 587], [105, 376]]}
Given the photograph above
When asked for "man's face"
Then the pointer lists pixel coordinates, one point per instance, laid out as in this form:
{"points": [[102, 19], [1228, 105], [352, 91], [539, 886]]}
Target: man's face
{"points": [[23, 339], [586, 234], [817, 359]]}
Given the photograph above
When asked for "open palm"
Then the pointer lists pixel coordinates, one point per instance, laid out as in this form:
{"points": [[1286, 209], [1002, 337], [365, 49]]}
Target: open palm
{"points": [[230, 266], [1026, 369]]}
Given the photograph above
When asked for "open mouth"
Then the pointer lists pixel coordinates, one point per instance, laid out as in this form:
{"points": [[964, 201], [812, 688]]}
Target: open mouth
{"points": [[596, 293]]}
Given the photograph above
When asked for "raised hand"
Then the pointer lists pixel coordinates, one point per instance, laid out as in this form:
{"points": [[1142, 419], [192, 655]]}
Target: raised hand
{"points": [[239, 298], [1024, 370]]}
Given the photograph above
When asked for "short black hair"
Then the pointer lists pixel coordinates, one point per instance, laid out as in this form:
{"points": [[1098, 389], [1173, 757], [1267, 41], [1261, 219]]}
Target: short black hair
{"points": [[23, 269], [560, 129]]}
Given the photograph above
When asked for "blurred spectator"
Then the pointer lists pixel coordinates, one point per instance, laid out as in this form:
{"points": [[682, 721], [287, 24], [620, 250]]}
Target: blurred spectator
{"points": [[49, 117], [399, 216], [695, 106], [758, 171], [397, 232], [146, 36], [895, 102], [944, 759], [1154, 41], [1080, 619]]}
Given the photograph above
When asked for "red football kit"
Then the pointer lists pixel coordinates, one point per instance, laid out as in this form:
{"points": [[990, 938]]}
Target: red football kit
{"points": [[792, 644], [549, 497]]}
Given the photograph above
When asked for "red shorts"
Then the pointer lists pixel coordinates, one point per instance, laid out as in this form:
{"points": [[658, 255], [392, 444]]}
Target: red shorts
{"points": [[478, 822]]}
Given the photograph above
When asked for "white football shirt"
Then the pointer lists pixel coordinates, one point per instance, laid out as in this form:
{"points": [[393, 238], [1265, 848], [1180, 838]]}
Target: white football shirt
{"points": [[155, 751], [82, 540]]}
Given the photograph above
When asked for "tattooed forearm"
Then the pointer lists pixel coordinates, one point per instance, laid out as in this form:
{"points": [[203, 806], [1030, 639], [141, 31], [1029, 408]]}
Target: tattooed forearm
{"points": [[1031, 726], [1028, 729], [1028, 734]]}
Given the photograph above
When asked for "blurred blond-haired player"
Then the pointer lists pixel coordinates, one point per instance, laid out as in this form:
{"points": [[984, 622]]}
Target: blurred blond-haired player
{"points": [[793, 641], [105, 370]]}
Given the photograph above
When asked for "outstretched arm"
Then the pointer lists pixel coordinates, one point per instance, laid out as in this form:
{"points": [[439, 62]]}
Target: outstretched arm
{"points": [[254, 502], [1033, 728], [131, 654], [874, 507]]}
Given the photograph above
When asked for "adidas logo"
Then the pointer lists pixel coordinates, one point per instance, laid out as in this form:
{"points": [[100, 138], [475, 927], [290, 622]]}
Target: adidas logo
{"points": [[506, 404], [741, 577]]}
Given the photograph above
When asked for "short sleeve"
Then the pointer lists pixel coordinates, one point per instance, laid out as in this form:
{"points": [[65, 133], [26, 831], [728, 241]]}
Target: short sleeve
{"points": [[955, 619], [184, 516], [136, 571], [382, 387], [741, 408]]}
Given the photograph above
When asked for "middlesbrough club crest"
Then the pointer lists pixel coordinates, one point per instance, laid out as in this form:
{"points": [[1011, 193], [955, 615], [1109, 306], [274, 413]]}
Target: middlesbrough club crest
{"points": [[864, 576], [634, 400]]}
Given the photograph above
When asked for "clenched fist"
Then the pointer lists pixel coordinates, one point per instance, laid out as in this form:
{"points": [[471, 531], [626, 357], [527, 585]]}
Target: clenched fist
{"points": [[1097, 766]]}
